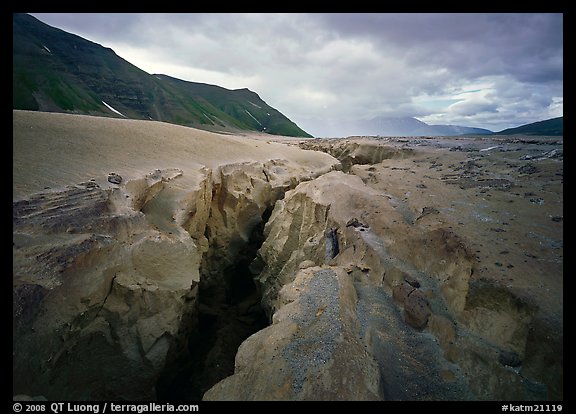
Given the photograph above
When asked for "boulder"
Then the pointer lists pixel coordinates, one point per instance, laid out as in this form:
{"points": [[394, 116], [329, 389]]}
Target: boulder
{"points": [[416, 309]]}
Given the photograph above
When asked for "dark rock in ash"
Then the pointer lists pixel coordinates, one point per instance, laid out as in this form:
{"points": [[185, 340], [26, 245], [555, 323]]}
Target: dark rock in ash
{"points": [[428, 210], [354, 222], [114, 178], [527, 169], [509, 358], [537, 200], [416, 310], [332, 245], [411, 280], [400, 292]]}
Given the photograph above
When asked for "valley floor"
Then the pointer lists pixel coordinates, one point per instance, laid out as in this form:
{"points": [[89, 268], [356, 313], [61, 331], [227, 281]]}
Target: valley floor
{"points": [[388, 268]]}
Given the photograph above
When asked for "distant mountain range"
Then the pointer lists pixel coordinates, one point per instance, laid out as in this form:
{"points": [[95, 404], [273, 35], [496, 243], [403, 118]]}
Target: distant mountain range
{"points": [[57, 71], [394, 126], [407, 126], [552, 127]]}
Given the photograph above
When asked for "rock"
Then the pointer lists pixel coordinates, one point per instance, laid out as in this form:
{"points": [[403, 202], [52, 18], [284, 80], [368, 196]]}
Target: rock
{"points": [[412, 281], [497, 229], [447, 375], [306, 264], [114, 178], [554, 154], [332, 246], [394, 276], [400, 292], [509, 358], [26, 303], [527, 169], [443, 329], [537, 200], [426, 211], [354, 222], [416, 310]]}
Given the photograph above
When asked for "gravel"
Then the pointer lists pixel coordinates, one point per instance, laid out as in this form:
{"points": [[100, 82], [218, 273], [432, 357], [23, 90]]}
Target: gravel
{"points": [[315, 343]]}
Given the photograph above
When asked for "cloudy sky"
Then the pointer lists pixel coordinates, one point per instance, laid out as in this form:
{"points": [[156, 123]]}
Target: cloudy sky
{"points": [[491, 71]]}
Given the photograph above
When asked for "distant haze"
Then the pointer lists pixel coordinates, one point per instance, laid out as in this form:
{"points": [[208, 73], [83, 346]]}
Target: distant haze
{"points": [[492, 71]]}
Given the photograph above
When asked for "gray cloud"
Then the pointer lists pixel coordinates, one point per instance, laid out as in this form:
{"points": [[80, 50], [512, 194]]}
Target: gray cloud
{"points": [[472, 44], [349, 66]]}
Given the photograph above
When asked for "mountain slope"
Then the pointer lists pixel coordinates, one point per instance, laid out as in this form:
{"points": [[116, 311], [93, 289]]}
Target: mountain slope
{"points": [[57, 71], [554, 127]]}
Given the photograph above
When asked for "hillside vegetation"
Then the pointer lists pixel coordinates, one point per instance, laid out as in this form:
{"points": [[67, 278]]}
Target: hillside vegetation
{"points": [[56, 71]]}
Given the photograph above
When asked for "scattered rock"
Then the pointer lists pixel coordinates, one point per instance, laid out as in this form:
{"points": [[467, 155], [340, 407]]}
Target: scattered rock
{"points": [[527, 169], [469, 182], [555, 154], [114, 178], [354, 222]]}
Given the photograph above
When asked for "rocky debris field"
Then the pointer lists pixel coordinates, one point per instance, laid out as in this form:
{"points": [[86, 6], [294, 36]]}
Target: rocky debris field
{"points": [[336, 269]]}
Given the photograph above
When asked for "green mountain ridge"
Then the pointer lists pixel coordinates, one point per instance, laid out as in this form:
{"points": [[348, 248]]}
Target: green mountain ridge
{"points": [[56, 71], [551, 127]]}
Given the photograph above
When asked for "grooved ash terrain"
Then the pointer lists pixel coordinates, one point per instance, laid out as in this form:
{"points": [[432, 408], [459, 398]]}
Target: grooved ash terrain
{"points": [[153, 261]]}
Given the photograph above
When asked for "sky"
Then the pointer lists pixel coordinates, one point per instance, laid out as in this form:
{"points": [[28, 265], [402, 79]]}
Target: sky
{"points": [[492, 70]]}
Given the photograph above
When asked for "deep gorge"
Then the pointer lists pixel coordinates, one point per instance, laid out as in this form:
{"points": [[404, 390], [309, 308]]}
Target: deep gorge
{"points": [[229, 311]]}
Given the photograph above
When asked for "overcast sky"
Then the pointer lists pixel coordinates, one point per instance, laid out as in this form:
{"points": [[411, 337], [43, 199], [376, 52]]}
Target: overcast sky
{"points": [[491, 71]]}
